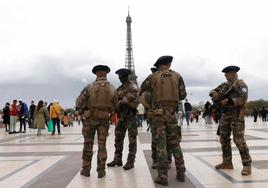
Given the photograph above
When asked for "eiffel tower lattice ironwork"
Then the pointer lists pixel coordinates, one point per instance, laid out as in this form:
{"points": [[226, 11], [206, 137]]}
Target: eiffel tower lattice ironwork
{"points": [[129, 61]]}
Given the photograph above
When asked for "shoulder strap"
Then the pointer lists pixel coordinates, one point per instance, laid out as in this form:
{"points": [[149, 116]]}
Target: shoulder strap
{"points": [[54, 108]]}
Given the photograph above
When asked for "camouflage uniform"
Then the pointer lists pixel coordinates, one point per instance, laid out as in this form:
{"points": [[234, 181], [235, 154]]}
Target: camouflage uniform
{"points": [[232, 120], [92, 124], [168, 133], [126, 121], [146, 86]]}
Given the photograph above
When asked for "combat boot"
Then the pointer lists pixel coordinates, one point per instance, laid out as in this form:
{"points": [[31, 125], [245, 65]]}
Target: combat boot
{"points": [[154, 165], [225, 165], [161, 181], [180, 176], [128, 165], [101, 174], [85, 173], [115, 163], [181, 173], [246, 170]]}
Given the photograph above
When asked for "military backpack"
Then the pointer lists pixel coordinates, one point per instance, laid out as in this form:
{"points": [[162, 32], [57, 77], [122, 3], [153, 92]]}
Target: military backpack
{"points": [[165, 86], [101, 99]]}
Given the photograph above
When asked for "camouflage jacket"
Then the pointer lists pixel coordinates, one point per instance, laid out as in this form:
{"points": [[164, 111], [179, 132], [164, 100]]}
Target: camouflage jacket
{"points": [[238, 93], [128, 99], [82, 102], [145, 84]]}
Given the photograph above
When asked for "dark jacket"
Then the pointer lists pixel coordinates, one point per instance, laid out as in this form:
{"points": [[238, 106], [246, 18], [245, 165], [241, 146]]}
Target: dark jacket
{"points": [[6, 116], [32, 109], [187, 107], [263, 112]]}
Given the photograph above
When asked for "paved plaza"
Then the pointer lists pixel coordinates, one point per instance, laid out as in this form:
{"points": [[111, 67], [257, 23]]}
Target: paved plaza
{"points": [[55, 161]]}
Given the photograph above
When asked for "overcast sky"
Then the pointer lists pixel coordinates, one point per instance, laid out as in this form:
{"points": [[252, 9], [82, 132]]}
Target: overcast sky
{"points": [[48, 48]]}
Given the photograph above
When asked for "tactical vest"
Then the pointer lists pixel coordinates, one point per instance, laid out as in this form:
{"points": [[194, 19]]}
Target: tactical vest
{"points": [[165, 86], [126, 90], [101, 99]]}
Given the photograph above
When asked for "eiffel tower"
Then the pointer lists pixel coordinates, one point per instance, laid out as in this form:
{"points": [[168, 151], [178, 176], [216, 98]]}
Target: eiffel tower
{"points": [[129, 61]]}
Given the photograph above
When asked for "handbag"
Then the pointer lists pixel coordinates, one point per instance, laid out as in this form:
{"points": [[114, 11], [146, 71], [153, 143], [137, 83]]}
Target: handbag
{"points": [[50, 126]]}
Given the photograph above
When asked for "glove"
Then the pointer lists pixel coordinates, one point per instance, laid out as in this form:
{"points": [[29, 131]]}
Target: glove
{"points": [[224, 102], [215, 96], [123, 101]]}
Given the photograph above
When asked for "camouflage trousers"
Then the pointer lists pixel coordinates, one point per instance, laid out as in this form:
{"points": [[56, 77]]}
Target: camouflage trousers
{"points": [[120, 132], [90, 127], [168, 135], [233, 121], [153, 147]]}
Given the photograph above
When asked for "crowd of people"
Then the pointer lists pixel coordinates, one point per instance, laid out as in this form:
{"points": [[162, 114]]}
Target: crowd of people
{"points": [[262, 113], [36, 116]]}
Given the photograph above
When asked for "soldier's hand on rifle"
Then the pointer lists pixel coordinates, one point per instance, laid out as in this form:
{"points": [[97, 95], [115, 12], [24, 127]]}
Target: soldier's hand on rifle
{"points": [[124, 101], [215, 96], [224, 102], [121, 103]]}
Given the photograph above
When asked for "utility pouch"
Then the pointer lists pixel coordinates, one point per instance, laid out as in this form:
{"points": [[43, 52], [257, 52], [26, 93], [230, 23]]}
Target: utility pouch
{"points": [[87, 114], [102, 115]]}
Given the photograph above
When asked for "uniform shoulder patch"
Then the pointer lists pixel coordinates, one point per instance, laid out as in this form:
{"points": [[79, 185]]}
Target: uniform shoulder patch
{"points": [[244, 89]]}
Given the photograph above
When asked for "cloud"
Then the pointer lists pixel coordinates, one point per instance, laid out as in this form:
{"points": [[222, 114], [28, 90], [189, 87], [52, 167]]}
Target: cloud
{"points": [[64, 77], [51, 55], [51, 77]]}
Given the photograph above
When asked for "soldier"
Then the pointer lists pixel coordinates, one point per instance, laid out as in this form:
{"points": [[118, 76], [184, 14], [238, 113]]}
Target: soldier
{"points": [[97, 103], [128, 101], [145, 84], [145, 94], [232, 120], [146, 99], [167, 90]]}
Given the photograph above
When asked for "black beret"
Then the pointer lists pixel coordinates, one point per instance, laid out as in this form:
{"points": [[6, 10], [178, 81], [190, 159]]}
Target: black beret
{"points": [[123, 72], [231, 68], [163, 60], [100, 68], [154, 69]]}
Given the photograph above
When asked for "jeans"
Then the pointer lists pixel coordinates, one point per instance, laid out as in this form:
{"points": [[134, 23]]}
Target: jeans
{"points": [[22, 122], [208, 119], [140, 119], [187, 116], [56, 121], [13, 121]]}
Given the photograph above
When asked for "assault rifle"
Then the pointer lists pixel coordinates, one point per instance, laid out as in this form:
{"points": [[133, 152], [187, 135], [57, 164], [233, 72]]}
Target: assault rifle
{"points": [[223, 95]]}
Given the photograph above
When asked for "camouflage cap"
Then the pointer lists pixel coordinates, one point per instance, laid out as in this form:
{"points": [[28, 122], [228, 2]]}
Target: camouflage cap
{"points": [[101, 68], [163, 60], [231, 68], [123, 72]]}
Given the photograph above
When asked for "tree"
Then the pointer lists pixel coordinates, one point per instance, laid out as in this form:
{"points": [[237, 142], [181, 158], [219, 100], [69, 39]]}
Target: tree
{"points": [[258, 104], [69, 110]]}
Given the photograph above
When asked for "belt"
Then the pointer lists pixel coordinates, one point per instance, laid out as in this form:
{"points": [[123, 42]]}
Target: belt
{"points": [[161, 111]]}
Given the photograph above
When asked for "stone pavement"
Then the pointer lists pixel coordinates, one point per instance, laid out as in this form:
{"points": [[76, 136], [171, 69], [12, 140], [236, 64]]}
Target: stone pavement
{"points": [[54, 161]]}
